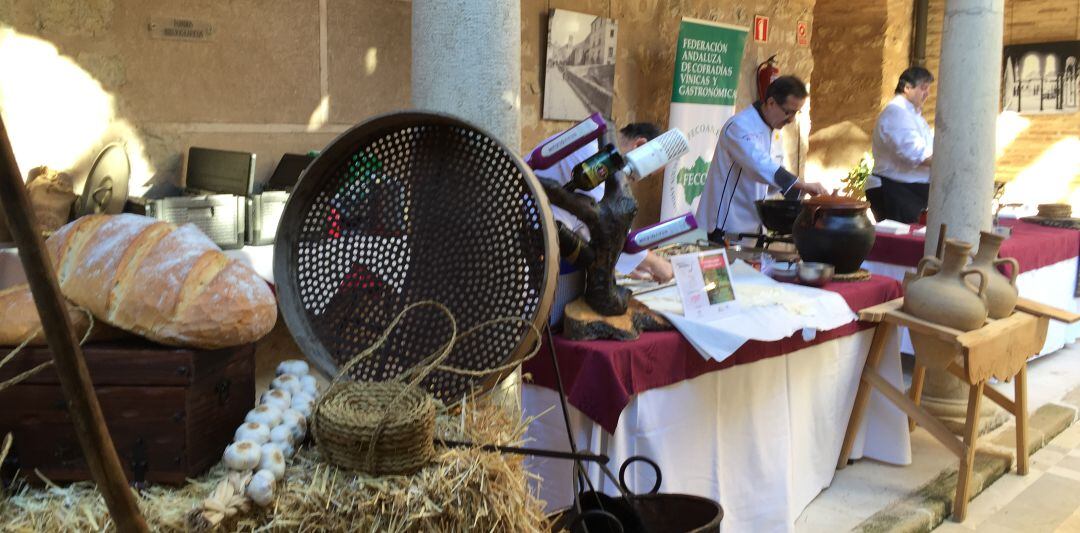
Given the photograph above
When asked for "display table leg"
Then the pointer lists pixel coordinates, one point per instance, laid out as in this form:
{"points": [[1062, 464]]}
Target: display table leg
{"points": [[862, 397]]}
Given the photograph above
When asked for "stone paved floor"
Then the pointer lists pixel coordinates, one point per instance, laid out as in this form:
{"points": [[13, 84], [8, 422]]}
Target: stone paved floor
{"points": [[1046, 500]]}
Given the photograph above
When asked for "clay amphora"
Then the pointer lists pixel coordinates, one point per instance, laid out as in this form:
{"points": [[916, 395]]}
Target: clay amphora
{"points": [[1000, 289], [941, 294]]}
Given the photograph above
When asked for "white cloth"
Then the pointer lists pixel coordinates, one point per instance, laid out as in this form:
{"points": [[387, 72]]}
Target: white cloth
{"points": [[902, 140], [747, 156], [761, 438], [1050, 285], [764, 310], [562, 172]]}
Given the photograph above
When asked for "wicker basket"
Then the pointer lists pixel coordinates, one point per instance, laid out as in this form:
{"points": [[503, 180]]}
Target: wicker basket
{"points": [[376, 427]]}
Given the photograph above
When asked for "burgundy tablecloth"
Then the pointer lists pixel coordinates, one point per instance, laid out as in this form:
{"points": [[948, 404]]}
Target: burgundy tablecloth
{"points": [[600, 377], [1032, 245]]}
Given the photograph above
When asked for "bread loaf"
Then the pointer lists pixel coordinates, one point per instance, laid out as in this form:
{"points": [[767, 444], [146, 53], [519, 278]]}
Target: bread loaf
{"points": [[169, 284], [19, 320]]}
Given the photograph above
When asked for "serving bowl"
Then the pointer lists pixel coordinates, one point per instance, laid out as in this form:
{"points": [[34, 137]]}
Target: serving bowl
{"points": [[784, 271], [815, 274]]}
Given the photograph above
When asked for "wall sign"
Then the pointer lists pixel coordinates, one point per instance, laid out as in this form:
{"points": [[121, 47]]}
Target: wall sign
{"points": [[761, 29], [802, 33], [178, 29]]}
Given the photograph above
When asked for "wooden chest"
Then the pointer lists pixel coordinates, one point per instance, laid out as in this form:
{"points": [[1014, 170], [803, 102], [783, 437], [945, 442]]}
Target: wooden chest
{"points": [[171, 411]]}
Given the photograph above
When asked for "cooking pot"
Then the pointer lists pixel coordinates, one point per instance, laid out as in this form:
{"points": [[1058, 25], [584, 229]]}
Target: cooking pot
{"points": [[834, 230], [778, 216]]}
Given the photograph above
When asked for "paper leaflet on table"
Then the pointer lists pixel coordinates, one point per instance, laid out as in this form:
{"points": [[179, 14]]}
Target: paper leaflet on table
{"points": [[704, 284], [763, 310]]}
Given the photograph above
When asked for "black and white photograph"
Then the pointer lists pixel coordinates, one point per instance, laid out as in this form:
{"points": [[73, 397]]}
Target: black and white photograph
{"points": [[580, 68], [1041, 78]]}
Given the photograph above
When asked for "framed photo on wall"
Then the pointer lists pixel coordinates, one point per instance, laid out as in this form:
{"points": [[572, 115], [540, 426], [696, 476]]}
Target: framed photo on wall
{"points": [[1041, 78], [579, 73]]}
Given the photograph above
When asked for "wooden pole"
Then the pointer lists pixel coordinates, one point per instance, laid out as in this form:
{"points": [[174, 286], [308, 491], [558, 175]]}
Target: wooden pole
{"points": [[97, 445]]}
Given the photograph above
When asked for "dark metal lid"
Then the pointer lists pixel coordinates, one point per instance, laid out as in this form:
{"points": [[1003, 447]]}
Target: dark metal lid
{"points": [[106, 186]]}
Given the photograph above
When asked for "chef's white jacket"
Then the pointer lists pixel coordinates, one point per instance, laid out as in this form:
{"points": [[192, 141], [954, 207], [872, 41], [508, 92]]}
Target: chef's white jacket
{"points": [[902, 141], [744, 168]]}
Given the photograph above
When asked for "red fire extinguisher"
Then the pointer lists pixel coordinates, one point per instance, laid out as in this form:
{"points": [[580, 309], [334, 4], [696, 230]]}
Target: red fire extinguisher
{"points": [[766, 73]]}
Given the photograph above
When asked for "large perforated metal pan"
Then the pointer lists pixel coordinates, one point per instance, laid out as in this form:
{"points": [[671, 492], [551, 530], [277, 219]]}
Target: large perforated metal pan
{"points": [[409, 207]]}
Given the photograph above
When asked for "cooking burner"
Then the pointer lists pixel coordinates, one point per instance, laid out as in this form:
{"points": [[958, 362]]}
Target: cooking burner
{"points": [[763, 240]]}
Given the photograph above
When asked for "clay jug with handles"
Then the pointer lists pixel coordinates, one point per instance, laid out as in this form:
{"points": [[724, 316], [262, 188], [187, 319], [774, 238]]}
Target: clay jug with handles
{"points": [[942, 294]]}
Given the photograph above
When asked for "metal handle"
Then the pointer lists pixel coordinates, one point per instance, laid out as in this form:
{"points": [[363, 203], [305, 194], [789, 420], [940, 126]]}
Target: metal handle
{"points": [[626, 464]]}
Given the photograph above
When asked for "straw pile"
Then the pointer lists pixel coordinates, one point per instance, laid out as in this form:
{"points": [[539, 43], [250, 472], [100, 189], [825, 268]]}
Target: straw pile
{"points": [[462, 490]]}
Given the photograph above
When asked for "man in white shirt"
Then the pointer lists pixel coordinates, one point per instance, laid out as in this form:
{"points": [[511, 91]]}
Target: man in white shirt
{"points": [[748, 163], [903, 146]]}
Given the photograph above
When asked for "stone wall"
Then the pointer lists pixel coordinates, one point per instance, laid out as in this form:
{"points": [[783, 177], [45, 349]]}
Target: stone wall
{"points": [[274, 76], [861, 47], [859, 50], [1038, 154], [645, 61], [282, 75]]}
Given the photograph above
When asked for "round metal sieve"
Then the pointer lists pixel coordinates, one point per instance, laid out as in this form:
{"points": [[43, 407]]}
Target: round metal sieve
{"points": [[409, 207]]}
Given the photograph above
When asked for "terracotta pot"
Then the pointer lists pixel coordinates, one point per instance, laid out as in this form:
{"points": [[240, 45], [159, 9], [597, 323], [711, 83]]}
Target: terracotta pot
{"points": [[1001, 293], [941, 294], [834, 230]]}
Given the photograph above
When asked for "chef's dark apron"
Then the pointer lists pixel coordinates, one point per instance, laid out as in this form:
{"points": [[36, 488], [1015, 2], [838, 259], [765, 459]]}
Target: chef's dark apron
{"points": [[904, 202]]}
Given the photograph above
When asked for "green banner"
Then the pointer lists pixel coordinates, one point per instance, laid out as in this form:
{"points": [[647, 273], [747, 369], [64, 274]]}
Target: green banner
{"points": [[707, 58]]}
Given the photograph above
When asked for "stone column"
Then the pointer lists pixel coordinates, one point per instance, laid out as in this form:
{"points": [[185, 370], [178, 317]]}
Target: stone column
{"points": [[962, 174], [466, 61]]}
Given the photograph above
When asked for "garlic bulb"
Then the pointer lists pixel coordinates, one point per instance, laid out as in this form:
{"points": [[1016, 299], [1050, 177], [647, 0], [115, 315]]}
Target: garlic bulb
{"points": [[298, 423], [266, 415], [242, 455], [304, 408], [282, 433], [310, 385], [295, 367], [272, 460], [287, 382], [261, 488], [279, 398], [253, 431], [303, 397]]}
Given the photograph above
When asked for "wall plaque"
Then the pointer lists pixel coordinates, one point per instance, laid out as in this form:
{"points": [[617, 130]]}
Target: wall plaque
{"points": [[179, 29]]}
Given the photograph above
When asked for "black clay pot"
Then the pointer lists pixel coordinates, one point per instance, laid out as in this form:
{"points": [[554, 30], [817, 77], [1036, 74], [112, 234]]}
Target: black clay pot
{"points": [[834, 230], [778, 216]]}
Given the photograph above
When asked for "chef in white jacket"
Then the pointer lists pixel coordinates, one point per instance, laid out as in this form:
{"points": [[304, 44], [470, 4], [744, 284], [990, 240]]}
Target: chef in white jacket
{"points": [[748, 162], [903, 147]]}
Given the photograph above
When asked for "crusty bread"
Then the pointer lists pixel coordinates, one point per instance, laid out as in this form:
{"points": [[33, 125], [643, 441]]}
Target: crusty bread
{"points": [[19, 318], [169, 284]]}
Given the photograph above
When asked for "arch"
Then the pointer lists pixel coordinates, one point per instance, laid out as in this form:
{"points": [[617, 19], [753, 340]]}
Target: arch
{"points": [[1030, 82], [1071, 84], [1051, 83]]}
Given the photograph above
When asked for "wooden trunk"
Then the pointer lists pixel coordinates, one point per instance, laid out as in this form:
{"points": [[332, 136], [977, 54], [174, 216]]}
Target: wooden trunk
{"points": [[170, 411]]}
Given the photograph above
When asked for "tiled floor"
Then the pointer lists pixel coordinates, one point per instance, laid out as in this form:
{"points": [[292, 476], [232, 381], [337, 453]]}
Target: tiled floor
{"points": [[1046, 500]]}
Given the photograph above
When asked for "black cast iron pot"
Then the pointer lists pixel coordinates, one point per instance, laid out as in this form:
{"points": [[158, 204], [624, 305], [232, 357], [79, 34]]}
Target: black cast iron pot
{"points": [[778, 216], [834, 230], [658, 513]]}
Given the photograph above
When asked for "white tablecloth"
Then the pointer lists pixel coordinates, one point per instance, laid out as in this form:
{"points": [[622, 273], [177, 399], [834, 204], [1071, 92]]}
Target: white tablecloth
{"points": [[1051, 285], [761, 438]]}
